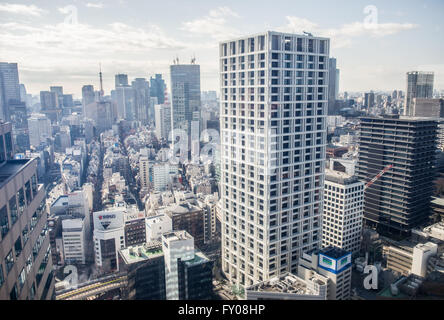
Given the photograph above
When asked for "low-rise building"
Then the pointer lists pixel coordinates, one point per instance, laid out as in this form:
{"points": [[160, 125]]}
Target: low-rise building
{"points": [[289, 287], [332, 263]]}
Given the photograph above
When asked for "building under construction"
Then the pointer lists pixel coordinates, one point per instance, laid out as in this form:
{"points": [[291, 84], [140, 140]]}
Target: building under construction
{"points": [[399, 199]]}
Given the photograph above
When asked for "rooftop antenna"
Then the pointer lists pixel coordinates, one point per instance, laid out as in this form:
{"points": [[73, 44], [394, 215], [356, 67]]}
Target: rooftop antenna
{"points": [[193, 59], [101, 81]]}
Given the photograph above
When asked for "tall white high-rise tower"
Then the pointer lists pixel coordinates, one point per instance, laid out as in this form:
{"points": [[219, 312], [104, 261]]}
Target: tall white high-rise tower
{"points": [[274, 95]]}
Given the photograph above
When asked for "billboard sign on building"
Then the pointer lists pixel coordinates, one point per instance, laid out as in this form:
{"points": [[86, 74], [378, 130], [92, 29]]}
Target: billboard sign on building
{"points": [[334, 265], [108, 220]]}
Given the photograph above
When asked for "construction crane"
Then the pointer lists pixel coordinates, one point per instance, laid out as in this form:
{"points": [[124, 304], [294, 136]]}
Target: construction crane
{"points": [[379, 175]]}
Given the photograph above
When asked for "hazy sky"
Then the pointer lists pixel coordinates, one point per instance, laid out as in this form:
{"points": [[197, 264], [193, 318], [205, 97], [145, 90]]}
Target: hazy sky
{"points": [[62, 42]]}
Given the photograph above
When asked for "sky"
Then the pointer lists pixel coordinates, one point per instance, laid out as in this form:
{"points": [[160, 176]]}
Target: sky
{"points": [[64, 42]]}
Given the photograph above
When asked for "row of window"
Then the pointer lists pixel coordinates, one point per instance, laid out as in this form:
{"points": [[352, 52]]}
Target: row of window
{"points": [[16, 205]]}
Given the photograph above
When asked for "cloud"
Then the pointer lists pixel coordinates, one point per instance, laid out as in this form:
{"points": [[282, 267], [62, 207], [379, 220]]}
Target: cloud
{"points": [[30, 10], [342, 36], [214, 24], [98, 5], [82, 38], [70, 53]]}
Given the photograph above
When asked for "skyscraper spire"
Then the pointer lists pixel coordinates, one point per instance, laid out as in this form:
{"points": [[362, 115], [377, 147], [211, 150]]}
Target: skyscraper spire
{"points": [[101, 82]]}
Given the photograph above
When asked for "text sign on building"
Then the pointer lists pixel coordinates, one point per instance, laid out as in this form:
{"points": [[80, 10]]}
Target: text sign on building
{"points": [[108, 220]]}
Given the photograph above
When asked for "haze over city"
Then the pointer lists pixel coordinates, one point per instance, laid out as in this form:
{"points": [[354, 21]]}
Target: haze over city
{"points": [[64, 42]]}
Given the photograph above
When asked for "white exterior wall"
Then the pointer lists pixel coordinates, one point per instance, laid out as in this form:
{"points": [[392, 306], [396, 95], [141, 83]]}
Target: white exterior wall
{"points": [[114, 231], [271, 188], [144, 167], [73, 236], [162, 114], [421, 254], [39, 129], [174, 249], [343, 215], [156, 226]]}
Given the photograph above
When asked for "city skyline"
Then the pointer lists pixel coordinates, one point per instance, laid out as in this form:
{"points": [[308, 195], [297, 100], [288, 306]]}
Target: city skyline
{"points": [[64, 44]]}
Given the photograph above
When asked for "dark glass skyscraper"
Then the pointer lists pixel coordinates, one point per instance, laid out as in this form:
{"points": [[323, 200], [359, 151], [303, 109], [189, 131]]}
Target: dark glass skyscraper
{"points": [[9, 87], [400, 199], [419, 85], [157, 88], [185, 90]]}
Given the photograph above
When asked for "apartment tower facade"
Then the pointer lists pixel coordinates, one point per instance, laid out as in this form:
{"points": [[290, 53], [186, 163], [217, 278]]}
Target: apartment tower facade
{"points": [[274, 96]]}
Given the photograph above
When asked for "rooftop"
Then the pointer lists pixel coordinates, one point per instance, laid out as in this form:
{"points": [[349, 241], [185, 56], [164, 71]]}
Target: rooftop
{"points": [[334, 252], [339, 177], [286, 284], [12, 168], [199, 258], [177, 235], [143, 252]]}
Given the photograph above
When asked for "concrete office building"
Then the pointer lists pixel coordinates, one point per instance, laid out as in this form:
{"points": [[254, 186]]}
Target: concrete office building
{"points": [[332, 263], [343, 213], [163, 121], [144, 172], [135, 232], [157, 85], [103, 114], [145, 269], [142, 97], [121, 80], [39, 129], [409, 258], [73, 236], [171, 269], [273, 107], [125, 97], [50, 106], [109, 237], [156, 226], [400, 199], [369, 100], [9, 88], [423, 107], [185, 96], [333, 86], [25, 256], [188, 217], [188, 273], [163, 175], [419, 85], [88, 97]]}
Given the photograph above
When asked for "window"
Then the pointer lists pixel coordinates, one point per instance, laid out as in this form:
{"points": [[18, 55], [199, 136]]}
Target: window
{"points": [[2, 277], [9, 262], [32, 292], [2, 150], [21, 200], [8, 141], [4, 221], [25, 235], [14, 294], [13, 209], [18, 246], [28, 192], [22, 278], [34, 185]]}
